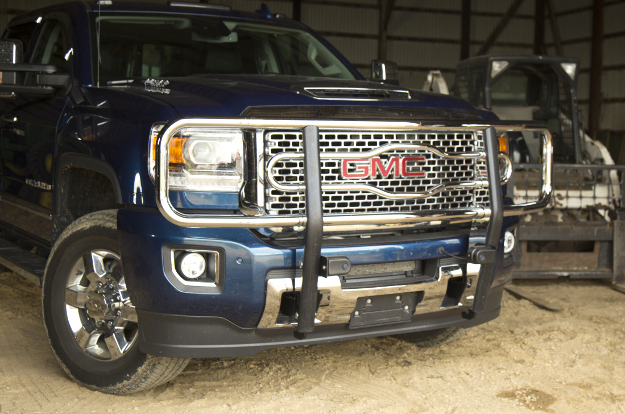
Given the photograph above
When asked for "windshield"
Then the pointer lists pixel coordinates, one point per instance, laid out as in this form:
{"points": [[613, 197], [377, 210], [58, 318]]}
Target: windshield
{"points": [[140, 46]]}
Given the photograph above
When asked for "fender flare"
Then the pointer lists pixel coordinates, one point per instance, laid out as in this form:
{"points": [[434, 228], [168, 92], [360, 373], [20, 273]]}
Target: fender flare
{"points": [[61, 218]]}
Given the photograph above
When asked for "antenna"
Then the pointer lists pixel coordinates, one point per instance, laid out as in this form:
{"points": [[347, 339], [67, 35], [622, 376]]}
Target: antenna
{"points": [[97, 35]]}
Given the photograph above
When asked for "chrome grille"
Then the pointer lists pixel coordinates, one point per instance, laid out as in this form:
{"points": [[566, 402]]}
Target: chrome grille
{"points": [[437, 171]]}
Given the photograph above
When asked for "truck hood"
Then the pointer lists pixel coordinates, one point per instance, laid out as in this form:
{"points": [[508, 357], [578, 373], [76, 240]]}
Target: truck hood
{"points": [[279, 96]]}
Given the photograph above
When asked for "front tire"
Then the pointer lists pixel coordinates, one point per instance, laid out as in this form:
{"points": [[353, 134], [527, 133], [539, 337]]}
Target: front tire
{"points": [[89, 319], [433, 338]]}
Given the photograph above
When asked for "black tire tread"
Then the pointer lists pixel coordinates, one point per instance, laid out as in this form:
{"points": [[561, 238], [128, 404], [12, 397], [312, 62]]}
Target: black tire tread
{"points": [[437, 337], [156, 371]]}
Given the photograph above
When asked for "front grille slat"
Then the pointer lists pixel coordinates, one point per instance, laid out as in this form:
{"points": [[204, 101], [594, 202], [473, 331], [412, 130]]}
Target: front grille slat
{"points": [[436, 171]]}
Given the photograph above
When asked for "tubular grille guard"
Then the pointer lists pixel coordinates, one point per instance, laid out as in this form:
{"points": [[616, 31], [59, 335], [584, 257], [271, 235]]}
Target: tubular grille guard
{"points": [[346, 220]]}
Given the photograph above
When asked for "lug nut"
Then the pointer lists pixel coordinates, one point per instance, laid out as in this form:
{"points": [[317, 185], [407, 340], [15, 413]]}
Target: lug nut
{"points": [[368, 300], [356, 313], [397, 297]]}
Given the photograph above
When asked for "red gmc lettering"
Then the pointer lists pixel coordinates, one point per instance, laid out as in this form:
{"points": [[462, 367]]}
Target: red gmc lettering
{"points": [[362, 171], [365, 168], [404, 169], [377, 165]]}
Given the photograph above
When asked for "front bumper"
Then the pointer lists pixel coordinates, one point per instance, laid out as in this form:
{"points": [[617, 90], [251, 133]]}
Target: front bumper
{"points": [[182, 336], [482, 258], [338, 305]]}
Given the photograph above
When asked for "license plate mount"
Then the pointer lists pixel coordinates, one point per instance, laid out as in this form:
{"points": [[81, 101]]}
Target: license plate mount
{"points": [[384, 309]]}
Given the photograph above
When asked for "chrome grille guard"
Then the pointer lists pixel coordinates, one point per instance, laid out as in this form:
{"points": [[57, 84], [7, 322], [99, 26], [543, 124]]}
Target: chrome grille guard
{"points": [[482, 254], [337, 222]]}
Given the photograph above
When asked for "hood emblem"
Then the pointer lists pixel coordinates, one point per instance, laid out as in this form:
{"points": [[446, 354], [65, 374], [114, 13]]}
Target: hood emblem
{"points": [[156, 85]]}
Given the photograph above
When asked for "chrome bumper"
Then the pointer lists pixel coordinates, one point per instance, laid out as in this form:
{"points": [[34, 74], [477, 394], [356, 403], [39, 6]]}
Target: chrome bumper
{"points": [[338, 304]]}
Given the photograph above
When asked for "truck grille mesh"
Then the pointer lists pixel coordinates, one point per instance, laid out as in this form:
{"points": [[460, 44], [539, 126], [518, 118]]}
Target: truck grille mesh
{"points": [[437, 171]]}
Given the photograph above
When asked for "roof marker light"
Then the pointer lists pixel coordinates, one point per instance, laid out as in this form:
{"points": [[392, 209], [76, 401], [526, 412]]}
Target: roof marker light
{"points": [[498, 67], [569, 68]]}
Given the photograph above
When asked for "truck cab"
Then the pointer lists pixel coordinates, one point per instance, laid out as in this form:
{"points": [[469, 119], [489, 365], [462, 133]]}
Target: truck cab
{"points": [[188, 181]]}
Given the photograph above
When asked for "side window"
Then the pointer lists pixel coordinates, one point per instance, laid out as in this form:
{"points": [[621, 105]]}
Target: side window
{"points": [[50, 49]]}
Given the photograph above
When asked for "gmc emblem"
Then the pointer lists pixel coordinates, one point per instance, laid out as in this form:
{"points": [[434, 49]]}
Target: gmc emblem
{"points": [[365, 168]]}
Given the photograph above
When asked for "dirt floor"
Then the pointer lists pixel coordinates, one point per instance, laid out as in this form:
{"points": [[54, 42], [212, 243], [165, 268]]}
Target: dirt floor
{"points": [[529, 359]]}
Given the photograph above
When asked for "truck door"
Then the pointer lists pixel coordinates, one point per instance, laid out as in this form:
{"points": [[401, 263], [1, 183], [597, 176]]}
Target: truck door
{"points": [[28, 142]]}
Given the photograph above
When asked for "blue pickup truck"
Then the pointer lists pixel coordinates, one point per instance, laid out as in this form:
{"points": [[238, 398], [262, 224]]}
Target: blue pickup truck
{"points": [[187, 181]]}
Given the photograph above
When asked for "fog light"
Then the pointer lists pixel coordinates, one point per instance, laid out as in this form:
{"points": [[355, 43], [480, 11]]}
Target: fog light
{"points": [[192, 265], [508, 242]]}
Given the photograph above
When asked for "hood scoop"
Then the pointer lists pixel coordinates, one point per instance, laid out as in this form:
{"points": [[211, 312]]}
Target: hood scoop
{"points": [[358, 94]]}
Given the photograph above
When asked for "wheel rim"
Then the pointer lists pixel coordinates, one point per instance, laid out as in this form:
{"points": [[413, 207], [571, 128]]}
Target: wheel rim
{"points": [[98, 308]]}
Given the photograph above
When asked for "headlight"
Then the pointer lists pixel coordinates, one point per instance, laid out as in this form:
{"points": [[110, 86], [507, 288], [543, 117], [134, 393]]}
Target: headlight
{"points": [[202, 159]]}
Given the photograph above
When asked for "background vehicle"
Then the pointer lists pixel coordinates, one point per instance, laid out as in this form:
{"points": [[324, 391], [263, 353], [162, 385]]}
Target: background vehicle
{"points": [[199, 182], [581, 234]]}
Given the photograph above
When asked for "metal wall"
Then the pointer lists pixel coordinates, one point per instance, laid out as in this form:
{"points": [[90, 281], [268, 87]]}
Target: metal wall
{"points": [[425, 35]]}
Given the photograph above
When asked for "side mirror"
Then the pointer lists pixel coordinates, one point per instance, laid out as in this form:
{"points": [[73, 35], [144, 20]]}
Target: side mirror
{"points": [[10, 52], [384, 71], [12, 72]]}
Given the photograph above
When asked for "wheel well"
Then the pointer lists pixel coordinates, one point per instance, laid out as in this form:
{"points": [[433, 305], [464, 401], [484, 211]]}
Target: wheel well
{"points": [[81, 191]]}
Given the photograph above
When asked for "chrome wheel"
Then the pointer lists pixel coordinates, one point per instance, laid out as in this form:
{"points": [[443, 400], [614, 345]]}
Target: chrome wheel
{"points": [[98, 308]]}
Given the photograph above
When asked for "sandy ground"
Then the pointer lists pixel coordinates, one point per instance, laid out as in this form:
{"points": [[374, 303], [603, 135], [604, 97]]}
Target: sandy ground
{"points": [[529, 359]]}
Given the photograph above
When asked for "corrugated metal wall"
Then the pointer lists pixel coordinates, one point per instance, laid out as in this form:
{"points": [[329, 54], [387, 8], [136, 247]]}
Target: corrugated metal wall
{"points": [[425, 35]]}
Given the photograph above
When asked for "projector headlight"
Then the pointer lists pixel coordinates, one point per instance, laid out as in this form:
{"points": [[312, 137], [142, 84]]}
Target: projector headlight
{"points": [[202, 159]]}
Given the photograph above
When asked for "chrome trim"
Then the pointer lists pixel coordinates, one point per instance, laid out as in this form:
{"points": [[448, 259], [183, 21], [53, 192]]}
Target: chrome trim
{"points": [[312, 92], [371, 220], [341, 303], [509, 169], [547, 187]]}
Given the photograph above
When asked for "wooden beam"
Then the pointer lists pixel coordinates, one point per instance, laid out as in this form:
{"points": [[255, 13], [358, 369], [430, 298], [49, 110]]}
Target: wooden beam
{"points": [[297, 10], [499, 28], [603, 101], [326, 33], [465, 39], [539, 28], [389, 11], [596, 62], [588, 8], [604, 69], [555, 28], [589, 39], [384, 15], [412, 9]]}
